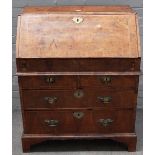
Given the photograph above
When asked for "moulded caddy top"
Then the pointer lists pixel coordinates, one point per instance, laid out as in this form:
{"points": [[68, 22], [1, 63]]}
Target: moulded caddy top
{"points": [[78, 32]]}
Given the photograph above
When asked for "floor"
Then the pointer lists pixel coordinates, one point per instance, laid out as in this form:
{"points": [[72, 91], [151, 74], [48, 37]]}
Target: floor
{"points": [[96, 147]]}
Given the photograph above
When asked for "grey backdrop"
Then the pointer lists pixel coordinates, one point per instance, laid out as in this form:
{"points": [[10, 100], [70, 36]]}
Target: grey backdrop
{"points": [[137, 5]]}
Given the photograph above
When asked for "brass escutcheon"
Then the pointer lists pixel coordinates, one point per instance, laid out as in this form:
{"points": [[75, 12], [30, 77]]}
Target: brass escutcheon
{"points": [[78, 114], [79, 93], [77, 20], [50, 79], [105, 79]]}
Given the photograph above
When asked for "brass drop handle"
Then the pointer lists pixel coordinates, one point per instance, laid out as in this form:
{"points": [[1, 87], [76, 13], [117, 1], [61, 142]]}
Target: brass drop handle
{"points": [[78, 114], [105, 79], [50, 79], [105, 122], [51, 100], [105, 99], [52, 122]]}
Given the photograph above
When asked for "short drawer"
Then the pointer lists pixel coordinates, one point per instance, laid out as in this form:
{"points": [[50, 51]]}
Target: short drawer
{"points": [[47, 82], [78, 98], [115, 82], [79, 121]]}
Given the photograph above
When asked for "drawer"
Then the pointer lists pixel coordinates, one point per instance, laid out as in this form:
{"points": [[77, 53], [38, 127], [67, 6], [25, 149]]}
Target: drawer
{"points": [[78, 98], [79, 121], [115, 82], [78, 64], [105, 82], [47, 82]]}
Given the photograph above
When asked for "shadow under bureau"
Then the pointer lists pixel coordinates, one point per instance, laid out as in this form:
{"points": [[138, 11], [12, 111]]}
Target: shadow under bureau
{"points": [[78, 71]]}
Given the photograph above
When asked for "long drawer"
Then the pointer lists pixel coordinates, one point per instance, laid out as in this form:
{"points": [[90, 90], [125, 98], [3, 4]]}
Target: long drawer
{"points": [[78, 64], [105, 82], [77, 98], [79, 121]]}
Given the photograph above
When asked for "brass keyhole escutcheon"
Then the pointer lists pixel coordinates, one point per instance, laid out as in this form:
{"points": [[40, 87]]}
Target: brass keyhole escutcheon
{"points": [[78, 114], [105, 79], [79, 93], [50, 79], [77, 20]]}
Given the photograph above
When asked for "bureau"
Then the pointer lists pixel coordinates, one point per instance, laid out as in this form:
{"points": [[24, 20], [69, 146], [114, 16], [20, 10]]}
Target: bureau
{"points": [[78, 70]]}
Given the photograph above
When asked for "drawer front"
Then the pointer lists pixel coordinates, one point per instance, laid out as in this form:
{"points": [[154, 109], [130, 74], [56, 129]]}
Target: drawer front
{"points": [[104, 82], [47, 82], [108, 82], [79, 121], [78, 98], [78, 65], [57, 122]]}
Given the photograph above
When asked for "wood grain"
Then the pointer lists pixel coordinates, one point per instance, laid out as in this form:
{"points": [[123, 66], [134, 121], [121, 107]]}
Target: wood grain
{"points": [[129, 139], [63, 81], [78, 65], [51, 46], [68, 124], [56, 35], [37, 99], [48, 9]]}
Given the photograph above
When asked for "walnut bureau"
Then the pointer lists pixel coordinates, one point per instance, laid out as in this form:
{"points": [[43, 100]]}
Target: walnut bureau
{"points": [[78, 70]]}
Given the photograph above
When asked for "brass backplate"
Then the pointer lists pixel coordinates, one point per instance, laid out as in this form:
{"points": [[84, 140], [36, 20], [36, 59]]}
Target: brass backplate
{"points": [[79, 93], [78, 114]]}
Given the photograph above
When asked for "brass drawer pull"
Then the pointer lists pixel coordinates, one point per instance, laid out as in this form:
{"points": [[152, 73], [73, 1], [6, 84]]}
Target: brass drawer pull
{"points": [[105, 122], [50, 79], [78, 115], [52, 123], [79, 93], [51, 100], [77, 20], [105, 99], [105, 79]]}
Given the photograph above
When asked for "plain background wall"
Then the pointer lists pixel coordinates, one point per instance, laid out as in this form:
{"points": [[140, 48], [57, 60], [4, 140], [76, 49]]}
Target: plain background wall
{"points": [[17, 5]]}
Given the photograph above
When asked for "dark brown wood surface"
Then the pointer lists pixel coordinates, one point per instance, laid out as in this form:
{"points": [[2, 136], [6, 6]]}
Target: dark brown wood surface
{"points": [[92, 98], [129, 139], [35, 122], [78, 65], [117, 82]]}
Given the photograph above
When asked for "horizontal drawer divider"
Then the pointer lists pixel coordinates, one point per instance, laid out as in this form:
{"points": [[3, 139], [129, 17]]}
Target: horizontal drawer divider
{"points": [[86, 87], [76, 73], [79, 136], [89, 108]]}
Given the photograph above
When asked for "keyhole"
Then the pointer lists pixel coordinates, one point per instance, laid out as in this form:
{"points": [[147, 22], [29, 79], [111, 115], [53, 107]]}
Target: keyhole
{"points": [[78, 94], [77, 20]]}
